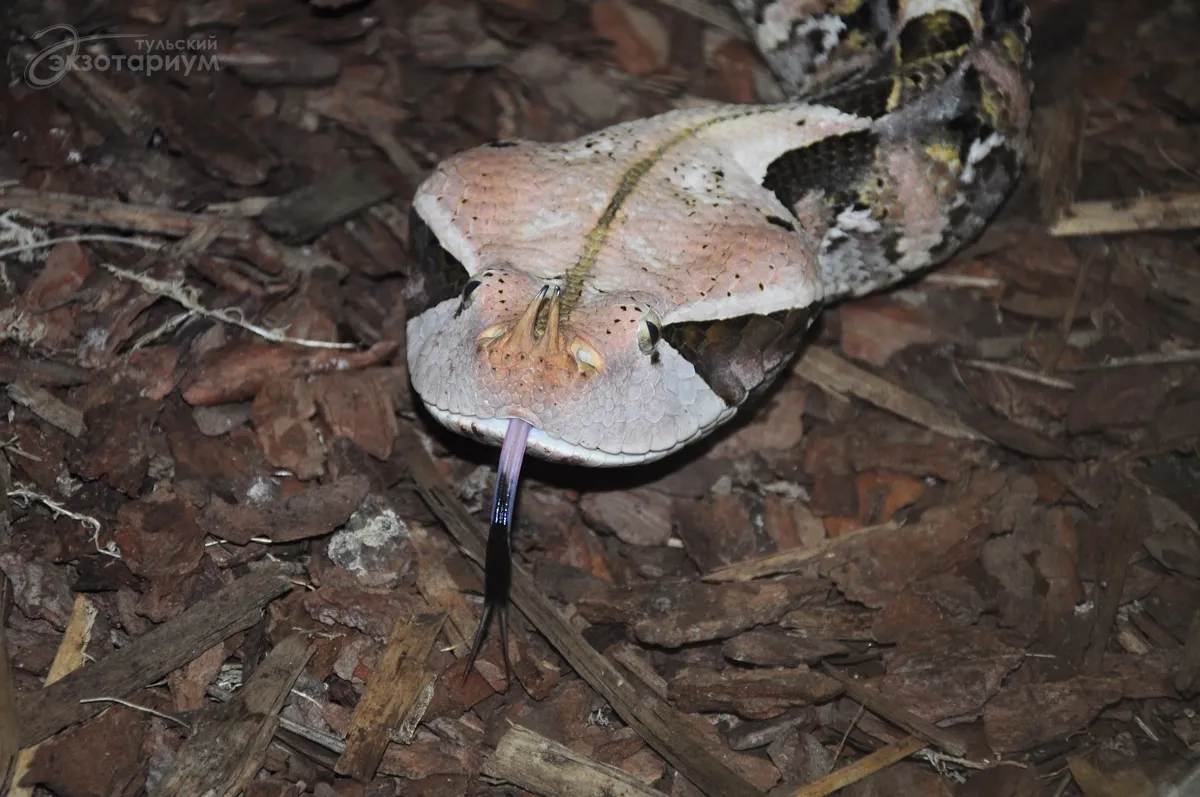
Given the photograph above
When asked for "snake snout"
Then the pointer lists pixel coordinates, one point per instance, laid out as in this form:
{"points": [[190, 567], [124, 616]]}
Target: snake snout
{"points": [[539, 346]]}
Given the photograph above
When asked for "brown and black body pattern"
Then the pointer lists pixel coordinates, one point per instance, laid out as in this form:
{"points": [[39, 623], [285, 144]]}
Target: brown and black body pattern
{"points": [[950, 110], [831, 42], [941, 92]]}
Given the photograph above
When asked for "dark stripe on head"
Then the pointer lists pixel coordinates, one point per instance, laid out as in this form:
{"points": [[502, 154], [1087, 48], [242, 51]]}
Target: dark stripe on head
{"points": [[781, 223], [868, 98], [436, 275], [834, 166], [738, 356], [933, 34]]}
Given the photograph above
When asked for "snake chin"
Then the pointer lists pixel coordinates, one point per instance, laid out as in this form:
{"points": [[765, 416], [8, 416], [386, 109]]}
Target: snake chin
{"points": [[546, 446]]}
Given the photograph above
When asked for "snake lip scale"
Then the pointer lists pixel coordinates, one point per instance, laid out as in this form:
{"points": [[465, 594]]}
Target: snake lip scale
{"points": [[543, 445], [610, 300]]}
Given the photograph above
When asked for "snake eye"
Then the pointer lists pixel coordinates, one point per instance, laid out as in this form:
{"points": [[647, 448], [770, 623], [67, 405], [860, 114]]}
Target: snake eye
{"points": [[649, 334]]}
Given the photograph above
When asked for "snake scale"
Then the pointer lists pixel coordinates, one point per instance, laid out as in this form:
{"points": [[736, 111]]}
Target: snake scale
{"points": [[609, 300]]}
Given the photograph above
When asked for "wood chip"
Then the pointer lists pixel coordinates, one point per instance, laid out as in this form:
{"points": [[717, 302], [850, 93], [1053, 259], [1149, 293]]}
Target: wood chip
{"points": [[543, 766], [302, 215], [401, 676], [229, 748], [150, 657], [49, 407], [68, 658], [833, 374], [756, 693], [1141, 214]]}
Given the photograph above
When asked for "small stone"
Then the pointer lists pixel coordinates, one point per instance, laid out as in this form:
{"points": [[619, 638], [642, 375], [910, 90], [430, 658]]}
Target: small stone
{"points": [[372, 546]]}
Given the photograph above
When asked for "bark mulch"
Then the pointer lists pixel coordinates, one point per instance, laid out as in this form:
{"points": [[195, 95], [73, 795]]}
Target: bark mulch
{"points": [[955, 552]]}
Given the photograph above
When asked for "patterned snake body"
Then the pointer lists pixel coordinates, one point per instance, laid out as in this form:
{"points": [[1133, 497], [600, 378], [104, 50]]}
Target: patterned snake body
{"points": [[625, 292], [609, 300]]}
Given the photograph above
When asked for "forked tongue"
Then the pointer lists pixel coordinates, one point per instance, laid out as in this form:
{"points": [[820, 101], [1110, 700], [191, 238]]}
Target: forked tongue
{"points": [[497, 574]]}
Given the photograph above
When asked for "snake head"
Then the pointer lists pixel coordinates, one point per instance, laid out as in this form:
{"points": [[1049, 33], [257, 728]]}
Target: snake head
{"points": [[592, 376], [623, 293]]}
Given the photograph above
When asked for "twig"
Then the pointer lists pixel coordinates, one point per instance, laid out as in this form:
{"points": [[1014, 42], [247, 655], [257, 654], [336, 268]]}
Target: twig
{"points": [[443, 595], [13, 446], [861, 768], [1126, 538], [46, 243], [939, 761], [1182, 357], [400, 677], [56, 509], [188, 297], [222, 757], [322, 738], [176, 290], [138, 707], [49, 407], [1068, 321], [962, 281], [233, 232], [836, 375], [889, 710], [862, 709], [83, 211], [1019, 373], [1163, 212]]}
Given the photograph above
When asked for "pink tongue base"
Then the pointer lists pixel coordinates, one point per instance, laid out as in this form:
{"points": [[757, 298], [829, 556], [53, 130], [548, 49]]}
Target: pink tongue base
{"points": [[497, 577]]}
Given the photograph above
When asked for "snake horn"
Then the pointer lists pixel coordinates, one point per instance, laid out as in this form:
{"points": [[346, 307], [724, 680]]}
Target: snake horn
{"points": [[497, 573]]}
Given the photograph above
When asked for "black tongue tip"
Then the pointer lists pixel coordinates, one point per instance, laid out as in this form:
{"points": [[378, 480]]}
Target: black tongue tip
{"points": [[498, 568], [497, 581]]}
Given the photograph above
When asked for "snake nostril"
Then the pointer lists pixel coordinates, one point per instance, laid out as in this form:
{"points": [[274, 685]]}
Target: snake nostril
{"points": [[491, 333], [587, 357]]}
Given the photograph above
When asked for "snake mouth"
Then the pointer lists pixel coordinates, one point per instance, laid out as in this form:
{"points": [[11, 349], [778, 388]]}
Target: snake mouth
{"points": [[551, 448]]}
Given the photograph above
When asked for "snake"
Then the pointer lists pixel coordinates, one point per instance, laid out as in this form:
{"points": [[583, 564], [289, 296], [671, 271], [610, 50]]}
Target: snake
{"points": [[610, 300]]}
